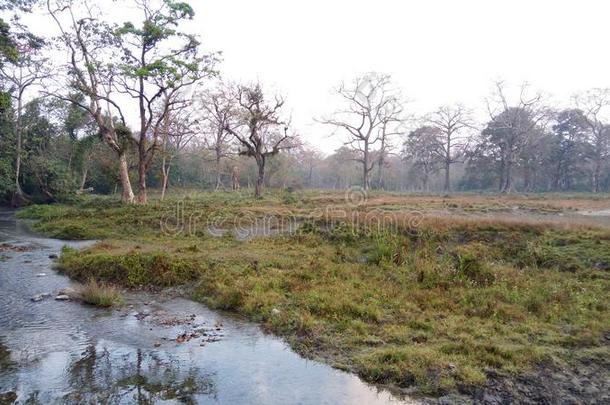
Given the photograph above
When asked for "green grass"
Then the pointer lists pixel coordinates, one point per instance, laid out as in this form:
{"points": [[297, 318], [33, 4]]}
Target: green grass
{"points": [[434, 305]]}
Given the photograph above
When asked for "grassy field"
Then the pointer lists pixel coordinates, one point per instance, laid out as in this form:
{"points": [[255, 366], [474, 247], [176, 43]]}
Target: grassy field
{"points": [[417, 291]]}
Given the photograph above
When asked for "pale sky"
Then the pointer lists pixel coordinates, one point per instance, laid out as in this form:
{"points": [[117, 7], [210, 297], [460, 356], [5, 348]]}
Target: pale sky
{"points": [[437, 51]]}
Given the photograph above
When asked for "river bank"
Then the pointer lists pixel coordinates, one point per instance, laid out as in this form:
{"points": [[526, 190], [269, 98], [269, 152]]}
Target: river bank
{"points": [[156, 347], [459, 307]]}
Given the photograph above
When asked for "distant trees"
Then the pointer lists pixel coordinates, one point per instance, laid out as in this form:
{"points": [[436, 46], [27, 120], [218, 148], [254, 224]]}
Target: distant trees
{"points": [[595, 105], [258, 127], [373, 113], [512, 125], [177, 128], [422, 149], [121, 103], [570, 150], [452, 141], [218, 111]]}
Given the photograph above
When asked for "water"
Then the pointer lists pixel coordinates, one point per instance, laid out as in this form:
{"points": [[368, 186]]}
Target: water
{"points": [[67, 352]]}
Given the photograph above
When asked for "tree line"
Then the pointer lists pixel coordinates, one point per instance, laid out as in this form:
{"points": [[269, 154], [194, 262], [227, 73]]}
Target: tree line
{"points": [[119, 105]]}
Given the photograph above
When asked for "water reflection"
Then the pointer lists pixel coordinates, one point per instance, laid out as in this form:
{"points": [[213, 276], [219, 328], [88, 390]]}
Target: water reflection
{"points": [[138, 376]]}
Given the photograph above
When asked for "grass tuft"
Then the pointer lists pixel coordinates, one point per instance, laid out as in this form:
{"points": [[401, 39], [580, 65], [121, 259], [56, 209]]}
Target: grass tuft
{"points": [[99, 294]]}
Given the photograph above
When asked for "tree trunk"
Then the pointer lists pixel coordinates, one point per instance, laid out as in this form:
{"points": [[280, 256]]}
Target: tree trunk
{"points": [[447, 176], [142, 194], [127, 196], [366, 181], [19, 198], [260, 181], [84, 179], [218, 173], [508, 179], [165, 168], [597, 174]]}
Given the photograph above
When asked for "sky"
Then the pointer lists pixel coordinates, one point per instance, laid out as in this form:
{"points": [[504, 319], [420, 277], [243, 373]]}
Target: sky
{"points": [[437, 51]]}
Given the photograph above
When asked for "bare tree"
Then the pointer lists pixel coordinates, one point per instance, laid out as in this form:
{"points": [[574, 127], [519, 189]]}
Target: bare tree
{"points": [[452, 143], [28, 70], [89, 48], [511, 126], [595, 105], [178, 128], [218, 111], [258, 127], [372, 115]]}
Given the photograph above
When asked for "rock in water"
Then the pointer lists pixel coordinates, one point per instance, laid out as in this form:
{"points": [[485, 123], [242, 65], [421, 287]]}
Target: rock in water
{"points": [[53, 256], [41, 274], [62, 297], [40, 297], [70, 292]]}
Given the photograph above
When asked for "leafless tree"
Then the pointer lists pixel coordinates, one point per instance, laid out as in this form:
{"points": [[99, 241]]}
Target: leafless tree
{"points": [[512, 125], [177, 129], [452, 121], [29, 70], [258, 127], [373, 114], [595, 105], [218, 111], [89, 48]]}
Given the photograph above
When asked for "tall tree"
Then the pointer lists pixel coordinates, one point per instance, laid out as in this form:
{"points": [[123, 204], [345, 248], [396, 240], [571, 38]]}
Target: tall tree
{"points": [[218, 111], [595, 105], [91, 53], [451, 122], [511, 125], [421, 148], [569, 150], [157, 62], [26, 71], [373, 113], [178, 128], [259, 128]]}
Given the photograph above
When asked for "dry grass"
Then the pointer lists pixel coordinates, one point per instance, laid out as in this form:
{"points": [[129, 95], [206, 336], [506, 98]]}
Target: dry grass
{"points": [[99, 294]]}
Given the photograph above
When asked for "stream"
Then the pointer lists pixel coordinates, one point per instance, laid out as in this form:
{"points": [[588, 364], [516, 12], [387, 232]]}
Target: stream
{"points": [[155, 348]]}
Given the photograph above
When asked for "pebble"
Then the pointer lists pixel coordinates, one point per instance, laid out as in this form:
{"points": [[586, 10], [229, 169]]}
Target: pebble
{"points": [[40, 297], [41, 274], [53, 256], [62, 298]]}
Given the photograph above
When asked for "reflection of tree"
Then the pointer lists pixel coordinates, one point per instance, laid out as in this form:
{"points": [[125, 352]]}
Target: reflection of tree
{"points": [[136, 376], [5, 357]]}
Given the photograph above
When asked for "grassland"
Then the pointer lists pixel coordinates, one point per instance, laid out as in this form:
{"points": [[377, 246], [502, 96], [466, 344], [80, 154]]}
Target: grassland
{"points": [[421, 291]]}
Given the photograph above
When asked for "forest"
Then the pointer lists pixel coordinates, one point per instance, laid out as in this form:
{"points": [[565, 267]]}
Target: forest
{"points": [[66, 130]]}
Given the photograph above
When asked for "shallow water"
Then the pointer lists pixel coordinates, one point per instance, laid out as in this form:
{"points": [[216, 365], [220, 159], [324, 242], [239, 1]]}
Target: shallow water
{"points": [[67, 352]]}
